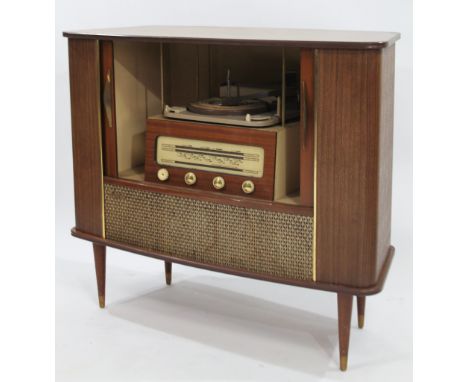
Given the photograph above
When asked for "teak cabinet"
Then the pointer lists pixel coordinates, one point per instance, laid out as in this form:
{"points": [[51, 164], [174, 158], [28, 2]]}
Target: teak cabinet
{"points": [[331, 234]]}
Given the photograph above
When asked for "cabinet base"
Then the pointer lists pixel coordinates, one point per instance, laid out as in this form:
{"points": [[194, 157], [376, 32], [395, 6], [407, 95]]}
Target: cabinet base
{"points": [[345, 294], [357, 291]]}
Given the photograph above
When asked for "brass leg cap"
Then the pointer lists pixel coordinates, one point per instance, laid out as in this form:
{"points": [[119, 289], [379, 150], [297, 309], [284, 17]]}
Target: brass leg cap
{"points": [[360, 321], [343, 362], [102, 302]]}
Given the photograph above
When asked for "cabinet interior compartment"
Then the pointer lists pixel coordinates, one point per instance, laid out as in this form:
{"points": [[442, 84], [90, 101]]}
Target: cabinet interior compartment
{"points": [[148, 76], [137, 73]]}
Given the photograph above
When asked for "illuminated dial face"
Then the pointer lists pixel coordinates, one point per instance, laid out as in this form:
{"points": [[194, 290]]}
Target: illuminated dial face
{"points": [[210, 156]]}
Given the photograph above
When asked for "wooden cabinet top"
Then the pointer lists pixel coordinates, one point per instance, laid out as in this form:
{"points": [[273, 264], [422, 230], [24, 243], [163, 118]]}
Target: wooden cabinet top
{"points": [[311, 38]]}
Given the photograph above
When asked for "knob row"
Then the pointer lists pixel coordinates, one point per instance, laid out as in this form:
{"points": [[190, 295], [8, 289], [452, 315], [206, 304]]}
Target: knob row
{"points": [[218, 181]]}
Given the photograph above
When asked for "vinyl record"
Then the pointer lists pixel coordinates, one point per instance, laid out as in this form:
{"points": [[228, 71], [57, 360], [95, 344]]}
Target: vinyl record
{"points": [[228, 106]]}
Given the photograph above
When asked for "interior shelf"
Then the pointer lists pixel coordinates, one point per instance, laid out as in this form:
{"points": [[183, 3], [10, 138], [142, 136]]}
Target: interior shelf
{"points": [[135, 173]]}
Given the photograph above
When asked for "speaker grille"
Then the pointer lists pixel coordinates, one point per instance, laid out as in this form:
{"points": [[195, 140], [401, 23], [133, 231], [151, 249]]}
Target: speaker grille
{"points": [[264, 242]]}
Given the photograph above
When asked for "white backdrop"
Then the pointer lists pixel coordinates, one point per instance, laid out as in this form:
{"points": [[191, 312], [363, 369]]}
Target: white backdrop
{"points": [[209, 326]]}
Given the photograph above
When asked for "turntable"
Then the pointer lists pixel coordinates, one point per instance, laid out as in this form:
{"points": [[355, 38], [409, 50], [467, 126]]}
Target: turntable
{"points": [[250, 106], [247, 112]]}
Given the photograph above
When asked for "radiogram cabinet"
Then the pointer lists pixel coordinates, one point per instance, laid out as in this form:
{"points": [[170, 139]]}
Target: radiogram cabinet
{"points": [[314, 211]]}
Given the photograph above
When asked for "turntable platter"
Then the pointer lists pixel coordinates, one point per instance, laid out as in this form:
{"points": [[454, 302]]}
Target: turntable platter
{"points": [[229, 106]]}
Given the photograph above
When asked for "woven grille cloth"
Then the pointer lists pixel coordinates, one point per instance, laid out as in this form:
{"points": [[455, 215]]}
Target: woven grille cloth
{"points": [[265, 242]]}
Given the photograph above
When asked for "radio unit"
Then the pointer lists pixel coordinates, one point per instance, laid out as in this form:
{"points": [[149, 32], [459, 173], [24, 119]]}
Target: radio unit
{"points": [[260, 163]]}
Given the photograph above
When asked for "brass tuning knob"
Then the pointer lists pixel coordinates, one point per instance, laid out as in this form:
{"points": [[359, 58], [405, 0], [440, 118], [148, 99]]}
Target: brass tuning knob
{"points": [[218, 182], [248, 186], [163, 174], [190, 178]]}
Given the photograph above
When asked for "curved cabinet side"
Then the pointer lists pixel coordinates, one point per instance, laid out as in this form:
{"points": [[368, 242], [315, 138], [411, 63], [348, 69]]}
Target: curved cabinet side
{"points": [[354, 91]]}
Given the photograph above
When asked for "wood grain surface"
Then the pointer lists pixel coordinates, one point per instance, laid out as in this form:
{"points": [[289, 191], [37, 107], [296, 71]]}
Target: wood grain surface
{"points": [[307, 127], [385, 159], [361, 310], [86, 134], [100, 266], [345, 308], [109, 128], [310, 38], [354, 133]]}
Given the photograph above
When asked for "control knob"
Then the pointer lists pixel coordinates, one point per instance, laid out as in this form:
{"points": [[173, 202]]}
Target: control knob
{"points": [[248, 186], [163, 174], [218, 182], [190, 179]]}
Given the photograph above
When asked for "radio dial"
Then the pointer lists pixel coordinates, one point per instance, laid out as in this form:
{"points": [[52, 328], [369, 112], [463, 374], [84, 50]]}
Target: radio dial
{"points": [[163, 174], [190, 178], [248, 186], [218, 182]]}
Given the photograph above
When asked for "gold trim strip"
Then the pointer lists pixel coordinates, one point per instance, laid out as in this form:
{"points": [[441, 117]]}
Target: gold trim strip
{"points": [[314, 245], [101, 155]]}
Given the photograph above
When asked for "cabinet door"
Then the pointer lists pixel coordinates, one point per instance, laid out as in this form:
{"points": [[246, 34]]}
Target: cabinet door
{"points": [[307, 127], [83, 57], [109, 129]]}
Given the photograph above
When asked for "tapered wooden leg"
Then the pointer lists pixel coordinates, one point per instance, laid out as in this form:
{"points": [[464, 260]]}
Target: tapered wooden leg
{"points": [[361, 308], [345, 308], [168, 268], [100, 264]]}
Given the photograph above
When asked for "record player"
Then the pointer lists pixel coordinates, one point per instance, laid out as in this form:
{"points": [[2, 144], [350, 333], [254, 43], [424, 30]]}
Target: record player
{"points": [[242, 105]]}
